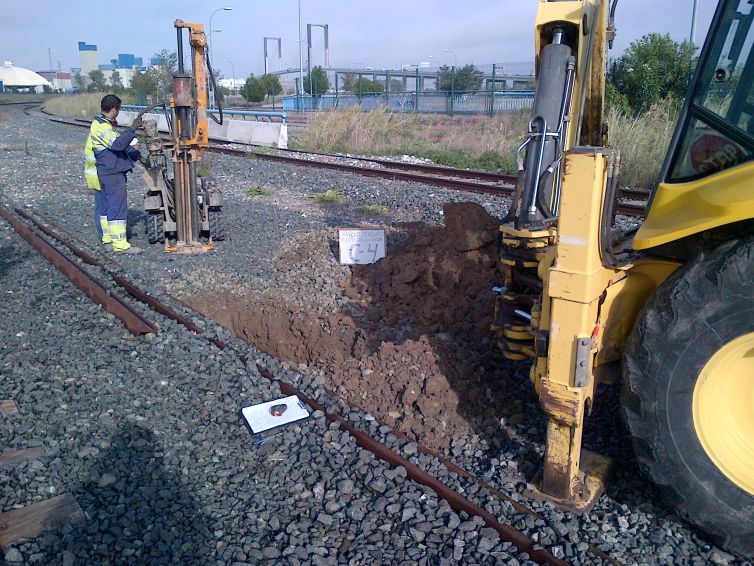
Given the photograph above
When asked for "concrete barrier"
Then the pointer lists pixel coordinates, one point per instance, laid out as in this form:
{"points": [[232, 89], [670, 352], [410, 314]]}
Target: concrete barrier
{"points": [[274, 134]]}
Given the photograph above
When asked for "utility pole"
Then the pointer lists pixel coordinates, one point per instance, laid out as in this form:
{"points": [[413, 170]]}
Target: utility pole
{"points": [[300, 54], [49, 56], [280, 53], [694, 13]]}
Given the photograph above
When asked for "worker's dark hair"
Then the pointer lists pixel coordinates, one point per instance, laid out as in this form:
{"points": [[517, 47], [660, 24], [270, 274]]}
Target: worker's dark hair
{"points": [[109, 102]]}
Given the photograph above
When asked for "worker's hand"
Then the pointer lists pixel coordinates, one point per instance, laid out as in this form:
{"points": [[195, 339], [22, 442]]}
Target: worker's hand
{"points": [[137, 123]]}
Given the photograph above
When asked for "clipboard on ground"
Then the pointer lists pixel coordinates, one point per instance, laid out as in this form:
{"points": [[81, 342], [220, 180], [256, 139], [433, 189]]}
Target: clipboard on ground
{"points": [[275, 414]]}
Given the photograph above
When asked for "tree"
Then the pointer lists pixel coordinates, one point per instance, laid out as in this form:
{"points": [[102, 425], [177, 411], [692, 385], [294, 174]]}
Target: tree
{"points": [[652, 68], [396, 85], [78, 81], [468, 78], [116, 82], [98, 82], [272, 85], [143, 85], [349, 81], [162, 72], [367, 86], [254, 90], [319, 78]]}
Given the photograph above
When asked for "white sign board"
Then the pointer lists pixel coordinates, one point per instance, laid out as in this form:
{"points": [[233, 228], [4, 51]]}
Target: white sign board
{"points": [[273, 414], [361, 246]]}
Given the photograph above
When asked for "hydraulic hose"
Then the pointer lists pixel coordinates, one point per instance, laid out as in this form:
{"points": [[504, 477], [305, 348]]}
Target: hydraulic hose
{"points": [[214, 90]]}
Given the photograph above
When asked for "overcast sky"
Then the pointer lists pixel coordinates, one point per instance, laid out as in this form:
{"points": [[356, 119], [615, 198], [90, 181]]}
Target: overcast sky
{"points": [[379, 34]]}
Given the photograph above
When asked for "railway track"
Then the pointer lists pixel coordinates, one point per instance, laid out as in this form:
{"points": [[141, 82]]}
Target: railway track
{"points": [[631, 202], [30, 224]]}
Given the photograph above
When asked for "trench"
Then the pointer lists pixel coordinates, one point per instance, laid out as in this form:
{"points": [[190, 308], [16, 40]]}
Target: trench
{"points": [[412, 346]]}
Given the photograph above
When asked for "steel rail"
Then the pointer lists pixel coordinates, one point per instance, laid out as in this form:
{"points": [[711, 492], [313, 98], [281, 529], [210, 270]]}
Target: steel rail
{"points": [[132, 320], [124, 283]]}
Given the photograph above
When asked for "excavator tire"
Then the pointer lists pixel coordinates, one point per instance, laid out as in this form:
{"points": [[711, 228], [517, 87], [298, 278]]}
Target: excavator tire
{"points": [[691, 357]]}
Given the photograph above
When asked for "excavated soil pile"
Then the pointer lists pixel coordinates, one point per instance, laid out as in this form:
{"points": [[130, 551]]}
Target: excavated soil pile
{"points": [[411, 344]]}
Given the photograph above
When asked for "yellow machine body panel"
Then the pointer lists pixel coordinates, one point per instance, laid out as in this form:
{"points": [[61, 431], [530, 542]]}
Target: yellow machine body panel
{"points": [[683, 209]]}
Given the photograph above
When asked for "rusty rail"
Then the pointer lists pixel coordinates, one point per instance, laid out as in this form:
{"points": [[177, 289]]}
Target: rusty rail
{"points": [[132, 320], [124, 283]]}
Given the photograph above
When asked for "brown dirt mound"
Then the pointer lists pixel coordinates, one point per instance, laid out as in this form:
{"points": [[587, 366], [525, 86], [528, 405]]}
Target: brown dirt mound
{"points": [[413, 344]]}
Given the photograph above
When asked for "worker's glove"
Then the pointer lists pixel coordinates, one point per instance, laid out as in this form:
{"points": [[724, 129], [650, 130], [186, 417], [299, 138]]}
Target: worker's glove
{"points": [[137, 123], [144, 161]]}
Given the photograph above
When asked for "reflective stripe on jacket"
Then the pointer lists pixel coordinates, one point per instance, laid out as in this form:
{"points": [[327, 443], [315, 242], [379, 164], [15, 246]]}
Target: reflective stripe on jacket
{"points": [[106, 152]]}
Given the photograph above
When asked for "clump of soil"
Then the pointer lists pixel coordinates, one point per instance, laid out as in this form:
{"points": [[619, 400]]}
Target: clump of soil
{"points": [[412, 344]]}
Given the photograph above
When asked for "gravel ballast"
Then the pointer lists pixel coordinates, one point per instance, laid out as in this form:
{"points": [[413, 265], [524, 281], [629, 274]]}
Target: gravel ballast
{"points": [[145, 432]]}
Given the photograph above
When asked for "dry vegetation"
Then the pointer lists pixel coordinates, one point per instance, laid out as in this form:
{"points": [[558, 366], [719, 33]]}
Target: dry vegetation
{"points": [[459, 141], [77, 105], [643, 141]]}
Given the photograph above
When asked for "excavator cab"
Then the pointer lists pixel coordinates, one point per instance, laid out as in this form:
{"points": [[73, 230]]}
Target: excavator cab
{"points": [[715, 135], [667, 308]]}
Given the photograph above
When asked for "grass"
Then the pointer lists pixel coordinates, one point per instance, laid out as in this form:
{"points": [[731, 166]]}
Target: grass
{"points": [[374, 210], [258, 191], [643, 141], [330, 196]]}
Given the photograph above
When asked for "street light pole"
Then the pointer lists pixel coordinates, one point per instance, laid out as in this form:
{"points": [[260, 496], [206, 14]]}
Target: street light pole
{"points": [[209, 47], [234, 73], [212, 55], [455, 58], [300, 56]]}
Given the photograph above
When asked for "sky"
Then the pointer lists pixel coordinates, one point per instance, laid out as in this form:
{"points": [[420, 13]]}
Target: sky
{"points": [[378, 34]]}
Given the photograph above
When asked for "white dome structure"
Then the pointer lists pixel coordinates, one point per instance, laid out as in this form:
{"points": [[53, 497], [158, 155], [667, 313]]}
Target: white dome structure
{"points": [[20, 77]]}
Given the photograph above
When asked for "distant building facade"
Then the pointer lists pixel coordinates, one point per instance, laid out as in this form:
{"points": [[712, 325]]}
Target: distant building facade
{"points": [[126, 65], [60, 81], [88, 58]]}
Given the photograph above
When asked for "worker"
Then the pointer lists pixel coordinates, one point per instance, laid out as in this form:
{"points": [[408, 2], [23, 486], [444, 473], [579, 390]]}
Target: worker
{"points": [[108, 159]]}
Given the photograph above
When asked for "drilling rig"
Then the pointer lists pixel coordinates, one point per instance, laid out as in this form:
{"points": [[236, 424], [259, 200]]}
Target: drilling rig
{"points": [[184, 212]]}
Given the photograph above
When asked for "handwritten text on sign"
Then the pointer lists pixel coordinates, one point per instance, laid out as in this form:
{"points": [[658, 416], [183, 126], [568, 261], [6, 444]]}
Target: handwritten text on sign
{"points": [[361, 246]]}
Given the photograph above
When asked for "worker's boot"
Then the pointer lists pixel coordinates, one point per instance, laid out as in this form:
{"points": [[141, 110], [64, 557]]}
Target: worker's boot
{"points": [[107, 239], [120, 243]]}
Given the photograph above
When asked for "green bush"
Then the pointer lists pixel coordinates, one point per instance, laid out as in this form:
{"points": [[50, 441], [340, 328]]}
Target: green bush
{"points": [[374, 210], [330, 196], [258, 191]]}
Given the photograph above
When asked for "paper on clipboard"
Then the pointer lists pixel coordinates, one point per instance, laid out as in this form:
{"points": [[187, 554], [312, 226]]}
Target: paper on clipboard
{"points": [[273, 414]]}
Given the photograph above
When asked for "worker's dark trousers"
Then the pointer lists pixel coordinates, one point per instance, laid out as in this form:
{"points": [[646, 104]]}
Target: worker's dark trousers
{"points": [[98, 211], [114, 196], [116, 208]]}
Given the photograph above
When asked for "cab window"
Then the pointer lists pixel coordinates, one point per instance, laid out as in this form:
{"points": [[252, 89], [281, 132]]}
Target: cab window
{"points": [[719, 132]]}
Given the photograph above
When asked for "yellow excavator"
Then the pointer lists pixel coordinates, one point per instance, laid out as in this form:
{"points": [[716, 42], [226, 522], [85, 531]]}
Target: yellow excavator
{"points": [[668, 306]]}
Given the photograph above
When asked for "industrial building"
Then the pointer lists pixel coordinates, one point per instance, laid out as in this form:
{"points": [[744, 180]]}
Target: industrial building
{"points": [[17, 78], [126, 65]]}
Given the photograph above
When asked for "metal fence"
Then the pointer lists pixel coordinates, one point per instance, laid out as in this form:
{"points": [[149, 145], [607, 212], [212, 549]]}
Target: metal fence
{"points": [[481, 102]]}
